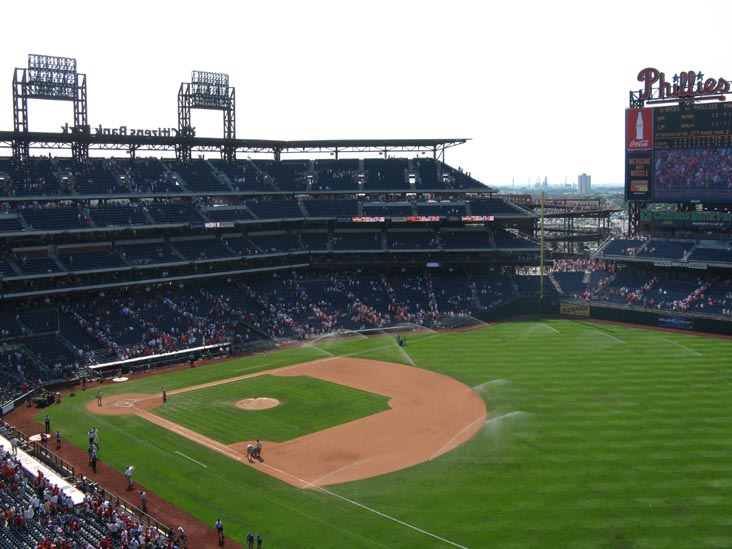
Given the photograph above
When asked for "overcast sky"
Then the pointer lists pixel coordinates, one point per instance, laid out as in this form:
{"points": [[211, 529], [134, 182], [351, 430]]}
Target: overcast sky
{"points": [[539, 87]]}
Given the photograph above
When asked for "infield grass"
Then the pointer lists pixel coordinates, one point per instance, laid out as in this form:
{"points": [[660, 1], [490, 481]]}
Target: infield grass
{"points": [[306, 405], [597, 436]]}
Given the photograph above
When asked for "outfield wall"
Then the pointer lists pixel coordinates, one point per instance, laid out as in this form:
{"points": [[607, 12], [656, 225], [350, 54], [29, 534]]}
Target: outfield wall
{"points": [[611, 313], [520, 307], [662, 319]]}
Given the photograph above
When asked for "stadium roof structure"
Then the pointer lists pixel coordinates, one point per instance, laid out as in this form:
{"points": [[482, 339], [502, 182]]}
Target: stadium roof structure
{"points": [[56, 78], [163, 139]]}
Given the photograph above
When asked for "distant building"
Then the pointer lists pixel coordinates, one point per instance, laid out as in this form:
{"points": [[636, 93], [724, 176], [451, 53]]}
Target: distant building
{"points": [[584, 184]]}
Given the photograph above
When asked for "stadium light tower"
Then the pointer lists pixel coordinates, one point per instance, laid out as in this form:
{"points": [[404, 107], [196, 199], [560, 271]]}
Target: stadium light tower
{"points": [[54, 78], [206, 90]]}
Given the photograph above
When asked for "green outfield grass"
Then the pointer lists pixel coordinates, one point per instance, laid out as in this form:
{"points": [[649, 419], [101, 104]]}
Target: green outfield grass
{"points": [[597, 436]]}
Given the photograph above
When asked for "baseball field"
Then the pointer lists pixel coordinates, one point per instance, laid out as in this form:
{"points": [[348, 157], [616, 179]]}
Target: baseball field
{"points": [[541, 433]]}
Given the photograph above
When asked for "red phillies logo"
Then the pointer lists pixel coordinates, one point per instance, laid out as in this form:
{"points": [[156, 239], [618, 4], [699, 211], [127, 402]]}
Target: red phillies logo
{"points": [[684, 84]]}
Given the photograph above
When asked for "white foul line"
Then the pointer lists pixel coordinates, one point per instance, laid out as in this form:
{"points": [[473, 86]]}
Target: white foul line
{"points": [[452, 440], [366, 508], [193, 460], [238, 457], [362, 506]]}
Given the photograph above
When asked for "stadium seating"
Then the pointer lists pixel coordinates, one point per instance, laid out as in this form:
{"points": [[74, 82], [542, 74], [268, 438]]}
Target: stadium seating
{"points": [[202, 249], [428, 177], [622, 247], [329, 209], [283, 176], [665, 249], [55, 219], [146, 253], [97, 177], [386, 175], [335, 175], [707, 254], [6, 269], [495, 207], [315, 240], [118, 215], [42, 510], [10, 223], [411, 240], [390, 211], [229, 213], [466, 239], [199, 178], [571, 282], [38, 265], [175, 213], [275, 242], [356, 240], [90, 261], [448, 208], [33, 179], [509, 240], [275, 209]]}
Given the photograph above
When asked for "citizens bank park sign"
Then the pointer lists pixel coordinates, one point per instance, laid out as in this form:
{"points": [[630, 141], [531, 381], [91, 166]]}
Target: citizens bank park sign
{"points": [[125, 131]]}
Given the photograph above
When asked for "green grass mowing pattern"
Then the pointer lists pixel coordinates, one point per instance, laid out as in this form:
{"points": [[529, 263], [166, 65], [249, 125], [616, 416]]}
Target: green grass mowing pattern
{"points": [[306, 405], [597, 436]]}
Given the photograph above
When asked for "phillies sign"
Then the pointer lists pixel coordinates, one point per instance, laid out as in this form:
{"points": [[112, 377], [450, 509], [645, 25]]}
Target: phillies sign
{"points": [[682, 85]]}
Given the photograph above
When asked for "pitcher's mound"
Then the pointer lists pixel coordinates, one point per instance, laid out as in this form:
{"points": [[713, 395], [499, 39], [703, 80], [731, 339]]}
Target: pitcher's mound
{"points": [[257, 403]]}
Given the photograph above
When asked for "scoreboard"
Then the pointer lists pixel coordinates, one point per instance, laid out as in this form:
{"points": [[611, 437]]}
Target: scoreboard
{"points": [[680, 153]]}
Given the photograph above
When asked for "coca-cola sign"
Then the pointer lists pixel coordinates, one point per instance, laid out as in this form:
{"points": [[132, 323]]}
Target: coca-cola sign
{"points": [[638, 129], [683, 85]]}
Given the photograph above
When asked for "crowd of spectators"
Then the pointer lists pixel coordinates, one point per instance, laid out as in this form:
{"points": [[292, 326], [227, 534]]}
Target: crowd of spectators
{"points": [[38, 513], [142, 322], [694, 169]]}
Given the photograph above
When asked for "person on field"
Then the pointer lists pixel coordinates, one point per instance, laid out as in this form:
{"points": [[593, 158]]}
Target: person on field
{"points": [[258, 450], [220, 531], [128, 476]]}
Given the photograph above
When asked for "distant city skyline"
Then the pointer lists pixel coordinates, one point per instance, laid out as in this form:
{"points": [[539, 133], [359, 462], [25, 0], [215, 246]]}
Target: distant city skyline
{"points": [[540, 89]]}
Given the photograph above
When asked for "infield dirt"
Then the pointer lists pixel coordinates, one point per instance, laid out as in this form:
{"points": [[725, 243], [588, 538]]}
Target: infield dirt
{"points": [[429, 414]]}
